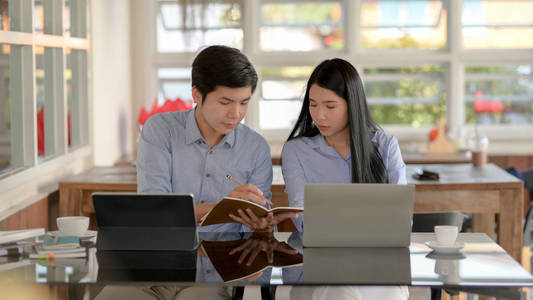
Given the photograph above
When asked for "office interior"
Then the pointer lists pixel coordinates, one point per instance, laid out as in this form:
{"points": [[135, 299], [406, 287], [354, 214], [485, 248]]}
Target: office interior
{"points": [[76, 74]]}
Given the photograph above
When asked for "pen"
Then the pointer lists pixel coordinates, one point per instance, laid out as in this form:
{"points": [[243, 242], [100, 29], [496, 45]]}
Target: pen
{"points": [[228, 176]]}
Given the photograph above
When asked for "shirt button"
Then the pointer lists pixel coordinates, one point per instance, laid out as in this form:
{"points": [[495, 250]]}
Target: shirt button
{"points": [[202, 201], [199, 142], [208, 271], [207, 175], [211, 152]]}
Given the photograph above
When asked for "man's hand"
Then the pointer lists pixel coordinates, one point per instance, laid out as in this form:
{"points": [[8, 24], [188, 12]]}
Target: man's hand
{"points": [[201, 210], [249, 192], [255, 223], [263, 242]]}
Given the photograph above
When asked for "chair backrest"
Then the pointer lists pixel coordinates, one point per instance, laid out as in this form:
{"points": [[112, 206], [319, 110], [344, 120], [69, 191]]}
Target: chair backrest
{"points": [[528, 175], [425, 222]]}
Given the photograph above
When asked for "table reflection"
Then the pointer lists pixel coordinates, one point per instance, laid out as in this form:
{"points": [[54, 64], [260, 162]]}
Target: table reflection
{"points": [[247, 258], [447, 266]]}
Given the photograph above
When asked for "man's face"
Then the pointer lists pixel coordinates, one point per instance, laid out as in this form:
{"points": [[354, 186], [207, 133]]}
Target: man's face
{"points": [[222, 109]]}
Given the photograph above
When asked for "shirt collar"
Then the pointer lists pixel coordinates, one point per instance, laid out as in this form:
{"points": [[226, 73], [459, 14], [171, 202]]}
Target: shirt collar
{"points": [[319, 142], [192, 132], [230, 137]]}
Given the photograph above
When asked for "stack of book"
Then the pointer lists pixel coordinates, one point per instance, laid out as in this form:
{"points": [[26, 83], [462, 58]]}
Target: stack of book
{"points": [[59, 247], [14, 237], [15, 245]]}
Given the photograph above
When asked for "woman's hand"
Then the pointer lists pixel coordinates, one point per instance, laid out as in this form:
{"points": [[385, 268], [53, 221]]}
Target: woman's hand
{"points": [[255, 223]]}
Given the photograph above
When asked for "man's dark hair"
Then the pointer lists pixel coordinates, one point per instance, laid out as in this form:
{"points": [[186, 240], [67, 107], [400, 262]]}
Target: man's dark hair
{"points": [[222, 66]]}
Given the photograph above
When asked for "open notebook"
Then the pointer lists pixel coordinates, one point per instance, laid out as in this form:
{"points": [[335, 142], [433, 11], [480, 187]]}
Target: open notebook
{"points": [[219, 213]]}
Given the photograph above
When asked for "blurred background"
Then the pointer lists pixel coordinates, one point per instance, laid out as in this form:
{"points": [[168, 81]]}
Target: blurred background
{"points": [[76, 74]]}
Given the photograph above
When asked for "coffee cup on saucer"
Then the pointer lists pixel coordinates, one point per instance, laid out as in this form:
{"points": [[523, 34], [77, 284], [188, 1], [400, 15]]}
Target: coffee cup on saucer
{"points": [[72, 226], [446, 235]]}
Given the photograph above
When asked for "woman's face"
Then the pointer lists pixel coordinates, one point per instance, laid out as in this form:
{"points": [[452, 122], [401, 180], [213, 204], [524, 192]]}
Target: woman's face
{"points": [[329, 111]]}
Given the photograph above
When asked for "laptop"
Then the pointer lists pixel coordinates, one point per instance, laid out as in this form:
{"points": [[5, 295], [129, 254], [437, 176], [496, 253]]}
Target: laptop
{"points": [[145, 222], [358, 215]]}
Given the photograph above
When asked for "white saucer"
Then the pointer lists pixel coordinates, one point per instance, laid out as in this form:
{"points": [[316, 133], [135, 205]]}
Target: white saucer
{"points": [[87, 235], [445, 249], [446, 256]]}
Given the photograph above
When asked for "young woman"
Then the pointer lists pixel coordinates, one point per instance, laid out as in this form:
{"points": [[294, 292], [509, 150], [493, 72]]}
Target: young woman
{"points": [[335, 139]]}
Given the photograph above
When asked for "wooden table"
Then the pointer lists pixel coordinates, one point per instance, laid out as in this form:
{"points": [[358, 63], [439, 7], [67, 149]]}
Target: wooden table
{"points": [[490, 194], [485, 193], [425, 158], [75, 193]]}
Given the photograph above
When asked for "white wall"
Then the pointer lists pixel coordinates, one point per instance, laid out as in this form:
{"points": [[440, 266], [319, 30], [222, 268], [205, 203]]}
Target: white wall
{"points": [[143, 44], [113, 137]]}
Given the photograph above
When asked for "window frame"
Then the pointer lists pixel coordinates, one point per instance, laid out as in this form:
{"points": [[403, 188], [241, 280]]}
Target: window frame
{"points": [[453, 58], [28, 180]]}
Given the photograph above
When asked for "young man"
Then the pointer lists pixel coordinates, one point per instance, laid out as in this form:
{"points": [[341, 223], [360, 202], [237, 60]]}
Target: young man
{"points": [[195, 151]]}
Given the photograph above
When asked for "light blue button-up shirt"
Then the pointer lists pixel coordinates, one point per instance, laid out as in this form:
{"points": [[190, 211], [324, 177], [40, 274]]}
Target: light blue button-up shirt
{"points": [[173, 157], [311, 160]]}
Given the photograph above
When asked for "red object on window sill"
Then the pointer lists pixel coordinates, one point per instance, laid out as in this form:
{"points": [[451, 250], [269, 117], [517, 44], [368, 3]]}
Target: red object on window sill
{"points": [[169, 105], [488, 106], [433, 134], [40, 131]]}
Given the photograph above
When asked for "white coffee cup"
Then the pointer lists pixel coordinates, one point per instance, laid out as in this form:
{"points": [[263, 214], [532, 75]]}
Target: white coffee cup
{"points": [[75, 225], [446, 235]]}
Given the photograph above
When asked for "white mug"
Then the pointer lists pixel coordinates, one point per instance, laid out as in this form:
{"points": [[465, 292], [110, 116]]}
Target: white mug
{"points": [[446, 235], [75, 225]]}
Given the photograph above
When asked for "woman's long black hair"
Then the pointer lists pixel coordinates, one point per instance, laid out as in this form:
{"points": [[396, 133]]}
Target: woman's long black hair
{"points": [[341, 77]]}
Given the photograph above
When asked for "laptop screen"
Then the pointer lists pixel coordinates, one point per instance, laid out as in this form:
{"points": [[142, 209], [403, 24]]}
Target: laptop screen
{"points": [[144, 210], [358, 215]]}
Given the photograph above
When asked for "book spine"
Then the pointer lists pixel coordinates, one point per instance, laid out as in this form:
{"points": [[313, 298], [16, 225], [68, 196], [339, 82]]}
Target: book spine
{"points": [[13, 251]]}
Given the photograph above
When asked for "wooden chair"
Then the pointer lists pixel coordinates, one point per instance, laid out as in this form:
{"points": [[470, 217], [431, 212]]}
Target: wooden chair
{"points": [[425, 222]]}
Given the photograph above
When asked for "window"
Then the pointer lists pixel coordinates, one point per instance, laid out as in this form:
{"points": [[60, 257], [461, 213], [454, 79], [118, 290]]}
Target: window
{"points": [[43, 81], [422, 61], [203, 23], [6, 161], [408, 96], [281, 92], [499, 95], [76, 75], [403, 24], [497, 24], [38, 15], [4, 16], [174, 83], [301, 26]]}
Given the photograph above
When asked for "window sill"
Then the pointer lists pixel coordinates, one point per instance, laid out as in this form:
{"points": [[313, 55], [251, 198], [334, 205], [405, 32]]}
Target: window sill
{"points": [[32, 184]]}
